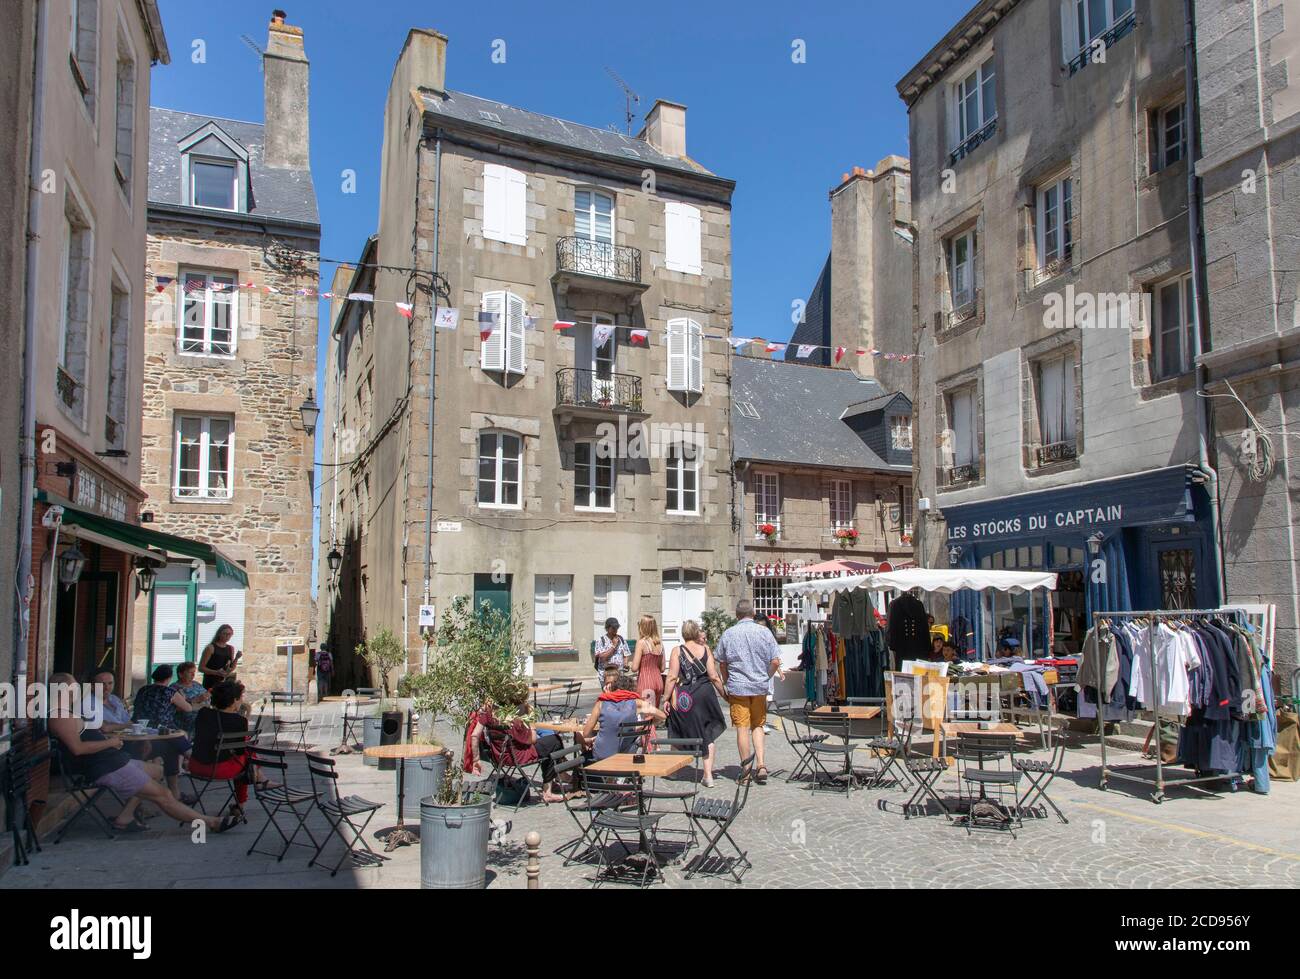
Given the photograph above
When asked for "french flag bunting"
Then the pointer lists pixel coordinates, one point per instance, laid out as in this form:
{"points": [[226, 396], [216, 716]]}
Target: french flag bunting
{"points": [[406, 309], [739, 343], [601, 334], [839, 354], [564, 324], [774, 348], [640, 338], [487, 324], [805, 350], [361, 297]]}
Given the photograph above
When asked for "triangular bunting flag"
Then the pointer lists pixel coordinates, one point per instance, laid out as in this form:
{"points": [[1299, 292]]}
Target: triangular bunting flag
{"points": [[601, 334], [805, 350], [406, 309], [564, 324], [738, 342], [446, 318], [640, 338], [487, 324], [839, 354], [361, 297]]}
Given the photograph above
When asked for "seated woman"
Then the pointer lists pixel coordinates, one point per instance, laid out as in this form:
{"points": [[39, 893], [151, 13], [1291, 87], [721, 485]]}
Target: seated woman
{"points": [[617, 705], [157, 705], [99, 758], [188, 686], [208, 759], [525, 746]]}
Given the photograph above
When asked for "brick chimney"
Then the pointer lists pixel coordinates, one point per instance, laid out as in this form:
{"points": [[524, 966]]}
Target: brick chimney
{"points": [[285, 67], [665, 128]]}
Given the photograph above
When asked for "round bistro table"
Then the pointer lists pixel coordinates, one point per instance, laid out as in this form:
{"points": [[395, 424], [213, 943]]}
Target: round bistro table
{"points": [[400, 835]]}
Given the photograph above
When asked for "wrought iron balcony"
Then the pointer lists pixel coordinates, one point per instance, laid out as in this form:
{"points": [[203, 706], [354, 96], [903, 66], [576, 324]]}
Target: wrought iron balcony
{"points": [[964, 474], [967, 146], [599, 266], [1115, 33], [1056, 452], [584, 392]]}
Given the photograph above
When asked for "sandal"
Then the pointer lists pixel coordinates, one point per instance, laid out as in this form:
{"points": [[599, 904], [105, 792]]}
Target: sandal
{"points": [[761, 777], [228, 823], [134, 826]]}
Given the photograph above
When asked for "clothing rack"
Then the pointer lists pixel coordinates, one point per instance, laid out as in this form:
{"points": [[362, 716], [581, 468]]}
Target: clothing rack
{"points": [[1129, 773]]}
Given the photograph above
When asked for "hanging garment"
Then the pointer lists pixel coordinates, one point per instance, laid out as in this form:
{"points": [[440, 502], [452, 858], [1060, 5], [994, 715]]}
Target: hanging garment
{"points": [[908, 629], [1099, 664]]}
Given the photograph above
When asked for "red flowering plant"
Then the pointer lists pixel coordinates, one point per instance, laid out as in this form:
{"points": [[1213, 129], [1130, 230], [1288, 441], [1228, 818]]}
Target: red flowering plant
{"points": [[847, 536], [768, 531]]}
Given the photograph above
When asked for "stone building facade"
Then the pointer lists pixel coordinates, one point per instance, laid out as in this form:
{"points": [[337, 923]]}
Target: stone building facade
{"points": [[818, 452], [1249, 118], [230, 353], [862, 299], [1057, 413], [522, 221]]}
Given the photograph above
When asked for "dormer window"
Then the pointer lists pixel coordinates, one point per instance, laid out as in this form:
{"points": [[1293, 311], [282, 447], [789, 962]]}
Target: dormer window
{"points": [[214, 171], [213, 184]]}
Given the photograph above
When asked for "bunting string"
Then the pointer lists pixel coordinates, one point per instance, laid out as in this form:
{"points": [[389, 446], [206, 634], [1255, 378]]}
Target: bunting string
{"points": [[448, 318]]}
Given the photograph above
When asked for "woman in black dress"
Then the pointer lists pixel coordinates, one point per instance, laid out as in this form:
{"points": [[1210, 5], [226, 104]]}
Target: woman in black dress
{"points": [[691, 695], [217, 664]]}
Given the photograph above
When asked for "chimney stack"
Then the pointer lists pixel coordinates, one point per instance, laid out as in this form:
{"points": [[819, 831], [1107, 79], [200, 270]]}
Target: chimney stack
{"points": [[285, 68], [665, 128]]}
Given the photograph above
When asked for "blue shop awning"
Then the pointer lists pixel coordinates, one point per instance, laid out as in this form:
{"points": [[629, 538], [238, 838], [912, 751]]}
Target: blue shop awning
{"points": [[1155, 497]]}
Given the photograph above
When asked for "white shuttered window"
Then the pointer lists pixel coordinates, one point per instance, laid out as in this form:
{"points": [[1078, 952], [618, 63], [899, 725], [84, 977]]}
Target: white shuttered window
{"points": [[685, 356], [503, 350], [505, 204], [553, 610], [682, 230]]}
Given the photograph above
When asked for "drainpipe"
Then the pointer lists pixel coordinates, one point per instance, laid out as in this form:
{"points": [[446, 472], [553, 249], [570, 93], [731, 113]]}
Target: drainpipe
{"points": [[27, 448], [433, 359], [1195, 242]]}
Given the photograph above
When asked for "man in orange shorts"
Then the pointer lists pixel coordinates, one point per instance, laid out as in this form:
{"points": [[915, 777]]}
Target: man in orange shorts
{"points": [[748, 658]]}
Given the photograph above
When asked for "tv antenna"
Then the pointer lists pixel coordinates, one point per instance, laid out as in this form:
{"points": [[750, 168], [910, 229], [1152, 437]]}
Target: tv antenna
{"points": [[631, 98], [256, 48]]}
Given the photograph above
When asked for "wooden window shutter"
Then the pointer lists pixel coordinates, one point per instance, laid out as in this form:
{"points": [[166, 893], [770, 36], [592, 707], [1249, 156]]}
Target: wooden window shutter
{"points": [[516, 360], [678, 369], [492, 350]]}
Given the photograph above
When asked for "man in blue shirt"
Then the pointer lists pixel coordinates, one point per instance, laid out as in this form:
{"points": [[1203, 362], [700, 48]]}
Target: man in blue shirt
{"points": [[748, 657]]}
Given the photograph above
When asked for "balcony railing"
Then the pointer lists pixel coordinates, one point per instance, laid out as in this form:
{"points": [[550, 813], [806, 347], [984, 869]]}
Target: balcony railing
{"points": [[964, 474], [966, 310], [967, 146], [576, 388], [602, 259], [1056, 452], [1116, 32], [1050, 270]]}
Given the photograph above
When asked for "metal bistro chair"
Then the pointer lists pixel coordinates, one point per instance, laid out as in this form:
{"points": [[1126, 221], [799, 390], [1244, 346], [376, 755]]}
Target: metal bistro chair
{"points": [[340, 811], [289, 698], [1039, 775], [572, 694], [837, 749], [506, 763], [230, 741], [583, 808], [15, 775], [890, 750], [354, 717], [633, 830], [553, 704], [636, 731], [721, 814], [85, 793], [982, 751], [298, 802], [925, 772], [799, 735], [682, 788]]}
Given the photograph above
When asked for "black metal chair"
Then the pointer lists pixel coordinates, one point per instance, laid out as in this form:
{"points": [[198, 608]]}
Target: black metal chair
{"points": [[925, 772], [289, 699], [836, 750], [680, 789], [890, 751], [557, 704], [506, 762], [16, 767], [632, 829], [636, 731], [582, 808], [721, 814], [340, 811], [981, 763], [1039, 775], [572, 694], [799, 735], [230, 741], [84, 792], [298, 802]]}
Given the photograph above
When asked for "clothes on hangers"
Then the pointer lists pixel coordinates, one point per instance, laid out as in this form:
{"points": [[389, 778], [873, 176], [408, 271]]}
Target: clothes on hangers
{"points": [[908, 629]]}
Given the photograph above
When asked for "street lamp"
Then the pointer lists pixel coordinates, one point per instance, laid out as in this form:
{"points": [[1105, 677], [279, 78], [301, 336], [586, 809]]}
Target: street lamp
{"points": [[310, 412], [334, 559], [71, 563], [145, 576], [1095, 542]]}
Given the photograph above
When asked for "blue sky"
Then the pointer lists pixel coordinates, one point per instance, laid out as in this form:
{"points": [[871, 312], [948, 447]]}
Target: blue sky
{"points": [[783, 131]]}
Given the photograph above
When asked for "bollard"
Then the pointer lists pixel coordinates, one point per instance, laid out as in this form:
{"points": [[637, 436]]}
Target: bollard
{"points": [[534, 843]]}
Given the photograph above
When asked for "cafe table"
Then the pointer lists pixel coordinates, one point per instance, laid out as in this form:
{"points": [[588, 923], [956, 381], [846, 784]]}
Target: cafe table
{"points": [[400, 835], [559, 727], [654, 766], [129, 737], [854, 712]]}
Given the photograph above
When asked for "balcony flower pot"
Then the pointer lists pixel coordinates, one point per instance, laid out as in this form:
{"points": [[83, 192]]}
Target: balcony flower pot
{"points": [[768, 532], [846, 536]]}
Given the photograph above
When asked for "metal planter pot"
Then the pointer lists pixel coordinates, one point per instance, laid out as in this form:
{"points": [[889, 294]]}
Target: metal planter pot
{"points": [[454, 845], [372, 729], [421, 780]]}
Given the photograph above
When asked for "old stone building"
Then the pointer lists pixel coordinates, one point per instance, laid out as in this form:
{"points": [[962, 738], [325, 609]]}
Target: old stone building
{"points": [[862, 299], [823, 460], [1249, 148], [529, 482], [1057, 414], [230, 353]]}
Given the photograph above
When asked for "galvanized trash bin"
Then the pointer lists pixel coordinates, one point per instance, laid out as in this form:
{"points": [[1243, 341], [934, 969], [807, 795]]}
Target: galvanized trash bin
{"points": [[421, 779], [454, 844], [372, 729]]}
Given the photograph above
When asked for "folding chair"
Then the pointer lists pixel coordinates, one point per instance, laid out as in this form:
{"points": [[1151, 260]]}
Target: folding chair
{"points": [[341, 811], [15, 775], [925, 772], [284, 796], [799, 737], [721, 814], [572, 694], [613, 825], [354, 716], [890, 750], [506, 763], [1039, 775], [980, 809], [554, 704], [582, 809], [682, 788], [289, 698], [632, 732], [231, 741], [837, 749], [85, 793]]}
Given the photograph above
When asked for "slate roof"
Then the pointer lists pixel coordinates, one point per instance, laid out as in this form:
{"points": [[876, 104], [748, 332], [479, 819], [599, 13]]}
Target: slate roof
{"points": [[816, 325], [799, 408], [873, 404], [288, 195], [486, 114]]}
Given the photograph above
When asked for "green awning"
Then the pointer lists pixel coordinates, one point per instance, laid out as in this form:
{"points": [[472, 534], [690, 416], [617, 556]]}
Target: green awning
{"points": [[137, 536]]}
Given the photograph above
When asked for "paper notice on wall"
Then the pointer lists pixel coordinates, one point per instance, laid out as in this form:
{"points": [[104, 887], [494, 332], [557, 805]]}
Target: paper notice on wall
{"points": [[428, 616]]}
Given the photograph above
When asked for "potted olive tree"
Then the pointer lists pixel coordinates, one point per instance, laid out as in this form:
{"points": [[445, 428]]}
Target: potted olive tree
{"points": [[477, 657], [383, 653]]}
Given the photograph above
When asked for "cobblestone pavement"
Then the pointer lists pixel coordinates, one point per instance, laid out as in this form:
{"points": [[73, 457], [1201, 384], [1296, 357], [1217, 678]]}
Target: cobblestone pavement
{"points": [[794, 838]]}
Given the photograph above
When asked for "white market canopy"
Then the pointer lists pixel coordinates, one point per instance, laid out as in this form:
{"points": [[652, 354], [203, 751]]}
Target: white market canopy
{"points": [[930, 580]]}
